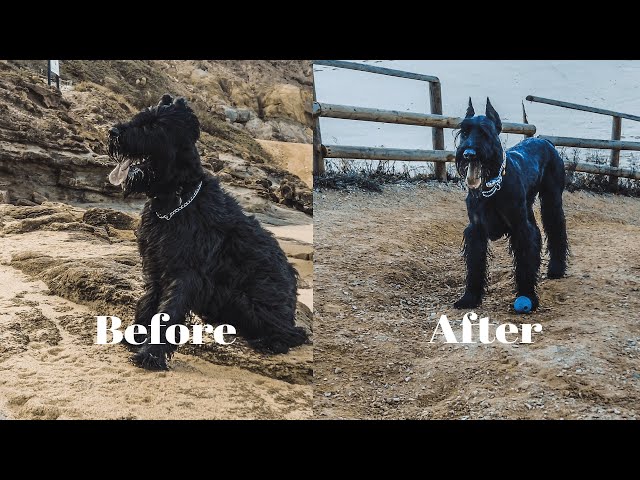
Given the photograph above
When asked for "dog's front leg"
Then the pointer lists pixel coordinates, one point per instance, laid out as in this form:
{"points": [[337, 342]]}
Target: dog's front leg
{"points": [[146, 308], [526, 243], [476, 245], [175, 300]]}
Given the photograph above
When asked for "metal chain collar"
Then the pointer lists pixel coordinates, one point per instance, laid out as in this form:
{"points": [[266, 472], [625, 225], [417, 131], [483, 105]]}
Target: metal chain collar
{"points": [[496, 183], [184, 205]]}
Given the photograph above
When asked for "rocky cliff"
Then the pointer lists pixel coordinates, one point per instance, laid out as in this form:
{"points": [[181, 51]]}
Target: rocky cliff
{"points": [[52, 144]]}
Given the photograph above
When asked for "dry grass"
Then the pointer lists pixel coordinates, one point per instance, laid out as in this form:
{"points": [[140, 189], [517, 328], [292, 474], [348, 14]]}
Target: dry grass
{"points": [[597, 183], [372, 175]]}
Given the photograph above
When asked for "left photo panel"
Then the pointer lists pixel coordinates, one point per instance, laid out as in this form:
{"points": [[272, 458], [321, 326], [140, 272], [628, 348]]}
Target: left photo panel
{"points": [[156, 239]]}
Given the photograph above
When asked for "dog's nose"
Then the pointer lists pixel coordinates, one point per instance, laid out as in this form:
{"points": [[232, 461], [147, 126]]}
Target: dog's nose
{"points": [[469, 154], [114, 132]]}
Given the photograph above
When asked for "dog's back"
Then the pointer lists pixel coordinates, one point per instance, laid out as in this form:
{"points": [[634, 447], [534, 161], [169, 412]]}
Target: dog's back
{"points": [[538, 163]]}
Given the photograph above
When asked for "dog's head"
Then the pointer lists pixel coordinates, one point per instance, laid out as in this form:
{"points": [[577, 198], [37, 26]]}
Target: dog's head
{"points": [[479, 154], [156, 148]]}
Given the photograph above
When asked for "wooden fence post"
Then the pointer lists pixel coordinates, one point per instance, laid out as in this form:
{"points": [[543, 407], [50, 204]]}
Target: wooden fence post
{"points": [[525, 120], [437, 134], [318, 159], [616, 133]]}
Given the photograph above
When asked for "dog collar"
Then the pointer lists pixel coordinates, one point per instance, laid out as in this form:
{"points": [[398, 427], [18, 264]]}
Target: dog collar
{"points": [[496, 183], [184, 205]]}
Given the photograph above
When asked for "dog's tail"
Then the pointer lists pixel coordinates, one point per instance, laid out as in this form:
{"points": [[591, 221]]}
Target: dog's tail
{"points": [[268, 327]]}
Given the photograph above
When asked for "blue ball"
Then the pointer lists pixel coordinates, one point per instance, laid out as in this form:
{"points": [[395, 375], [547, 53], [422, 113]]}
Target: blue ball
{"points": [[522, 305]]}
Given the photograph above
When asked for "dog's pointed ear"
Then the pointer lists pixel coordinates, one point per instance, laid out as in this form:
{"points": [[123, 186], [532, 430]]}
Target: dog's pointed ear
{"points": [[166, 100], [493, 116], [470, 111]]}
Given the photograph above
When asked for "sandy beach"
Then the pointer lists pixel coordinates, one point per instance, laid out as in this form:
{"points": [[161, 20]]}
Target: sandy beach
{"points": [[51, 368]]}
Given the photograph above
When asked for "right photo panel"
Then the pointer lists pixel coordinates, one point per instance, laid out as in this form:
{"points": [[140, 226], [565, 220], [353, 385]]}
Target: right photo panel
{"points": [[477, 239]]}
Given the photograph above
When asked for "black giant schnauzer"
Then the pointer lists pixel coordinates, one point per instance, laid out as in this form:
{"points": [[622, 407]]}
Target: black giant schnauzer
{"points": [[502, 189], [199, 251]]}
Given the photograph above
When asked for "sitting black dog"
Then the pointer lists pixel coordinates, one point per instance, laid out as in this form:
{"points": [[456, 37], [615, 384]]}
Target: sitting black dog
{"points": [[502, 189], [200, 252]]}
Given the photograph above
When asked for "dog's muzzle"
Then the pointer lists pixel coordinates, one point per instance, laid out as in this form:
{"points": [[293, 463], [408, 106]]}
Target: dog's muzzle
{"points": [[474, 175], [469, 154]]}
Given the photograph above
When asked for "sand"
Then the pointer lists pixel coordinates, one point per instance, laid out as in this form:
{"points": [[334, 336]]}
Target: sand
{"points": [[291, 238], [51, 370], [388, 265], [293, 157]]}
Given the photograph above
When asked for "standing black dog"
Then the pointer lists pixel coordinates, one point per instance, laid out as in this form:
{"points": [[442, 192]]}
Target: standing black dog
{"points": [[199, 251], [502, 189]]}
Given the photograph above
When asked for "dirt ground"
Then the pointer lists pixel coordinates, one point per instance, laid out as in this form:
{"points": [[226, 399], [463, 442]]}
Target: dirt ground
{"points": [[59, 272], [388, 265]]}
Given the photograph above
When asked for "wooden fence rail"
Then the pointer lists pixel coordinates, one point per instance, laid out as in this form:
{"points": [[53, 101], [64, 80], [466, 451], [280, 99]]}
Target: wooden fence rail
{"points": [[584, 108], [378, 153], [591, 143], [406, 118], [375, 153], [363, 67], [602, 170]]}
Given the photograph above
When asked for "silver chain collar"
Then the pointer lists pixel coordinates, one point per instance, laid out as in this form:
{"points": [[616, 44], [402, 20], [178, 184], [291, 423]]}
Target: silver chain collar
{"points": [[496, 183], [184, 205]]}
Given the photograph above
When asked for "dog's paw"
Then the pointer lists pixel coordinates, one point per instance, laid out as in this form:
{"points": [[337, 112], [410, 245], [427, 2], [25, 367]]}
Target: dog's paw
{"points": [[132, 347], [150, 357], [468, 301], [555, 271], [535, 301]]}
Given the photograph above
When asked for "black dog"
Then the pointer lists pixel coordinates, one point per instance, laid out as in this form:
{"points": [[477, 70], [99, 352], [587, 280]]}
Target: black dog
{"points": [[200, 252], [502, 189]]}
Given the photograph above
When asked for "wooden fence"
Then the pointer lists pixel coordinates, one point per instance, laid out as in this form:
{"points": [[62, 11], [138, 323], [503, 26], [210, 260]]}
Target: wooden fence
{"points": [[615, 144], [438, 122], [437, 134]]}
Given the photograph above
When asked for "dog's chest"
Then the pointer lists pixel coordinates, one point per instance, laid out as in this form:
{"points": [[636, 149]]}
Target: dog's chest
{"points": [[160, 240], [493, 221]]}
